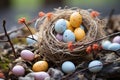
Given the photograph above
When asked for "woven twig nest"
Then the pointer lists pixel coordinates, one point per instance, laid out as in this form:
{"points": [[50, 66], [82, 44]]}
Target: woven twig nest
{"points": [[57, 51]]}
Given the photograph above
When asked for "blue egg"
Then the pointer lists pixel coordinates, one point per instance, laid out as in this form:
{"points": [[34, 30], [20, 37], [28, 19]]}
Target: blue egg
{"points": [[95, 66], [106, 44], [60, 26], [114, 46], [82, 27], [68, 67], [68, 36], [31, 41]]}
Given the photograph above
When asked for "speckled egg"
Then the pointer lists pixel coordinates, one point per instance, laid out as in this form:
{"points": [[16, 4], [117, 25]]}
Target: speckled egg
{"points": [[75, 19], [79, 34], [95, 66], [59, 37], [40, 66], [60, 26], [69, 26], [106, 44], [116, 39], [114, 46], [18, 70], [31, 41], [27, 55], [41, 75], [68, 67], [68, 36]]}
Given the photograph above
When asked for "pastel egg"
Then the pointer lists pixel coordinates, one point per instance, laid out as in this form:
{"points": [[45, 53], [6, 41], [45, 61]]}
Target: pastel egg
{"points": [[69, 26], [68, 36], [82, 27], [40, 66], [31, 41], [116, 39], [60, 26], [114, 46], [106, 44], [18, 70], [95, 66], [75, 19], [41, 75], [59, 37], [79, 34], [68, 67], [27, 55]]}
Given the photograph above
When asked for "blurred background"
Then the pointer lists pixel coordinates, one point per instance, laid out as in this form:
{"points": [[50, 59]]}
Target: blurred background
{"points": [[11, 10]]}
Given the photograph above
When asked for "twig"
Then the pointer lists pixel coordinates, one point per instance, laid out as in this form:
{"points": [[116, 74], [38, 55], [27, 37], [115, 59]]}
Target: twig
{"points": [[4, 23], [3, 40]]}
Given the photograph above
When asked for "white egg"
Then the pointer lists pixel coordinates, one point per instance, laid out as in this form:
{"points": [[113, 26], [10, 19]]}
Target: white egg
{"points": [[106, 44], [95, 66], [114, 46], [68, 67]]}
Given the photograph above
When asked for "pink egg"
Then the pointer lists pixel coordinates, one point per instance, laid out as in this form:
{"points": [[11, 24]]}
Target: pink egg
{"points": [[27, 55], [116, 39], [18, 70], [59, 37], [41, 75]]}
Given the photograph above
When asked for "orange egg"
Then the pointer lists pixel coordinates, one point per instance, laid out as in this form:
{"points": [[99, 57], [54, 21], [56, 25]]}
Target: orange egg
{"points": [[40, 66], [75, 19], [69, 26], [79, 34]]}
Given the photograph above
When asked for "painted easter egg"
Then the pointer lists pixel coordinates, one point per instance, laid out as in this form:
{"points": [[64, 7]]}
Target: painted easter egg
{"points": [[68, 67], [18, 70], [31, 41], [106, 44], [68, 36], [114, 46], [59, 37], [27, 55], [75, 19], [69, 26], [41, 75], [116, 39], [60, 26], [79, 34], [95, 66], [40, 66]]}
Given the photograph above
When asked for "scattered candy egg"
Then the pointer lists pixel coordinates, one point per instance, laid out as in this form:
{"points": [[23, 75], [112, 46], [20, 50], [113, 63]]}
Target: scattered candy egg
{"points": [[60, 26], [114, 46], [116, 39], [40, 66], [75, 19], [82, 27], [41, 75], [68, 67], [59, 37], [27, 55], [79, 34], [95, 66], [31, 41], [69, 26], [68, 36], [106, 44], [18, 70]]}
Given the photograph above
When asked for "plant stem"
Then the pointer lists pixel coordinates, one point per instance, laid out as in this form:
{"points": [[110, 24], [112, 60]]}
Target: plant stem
{"points": [[4, 23]]}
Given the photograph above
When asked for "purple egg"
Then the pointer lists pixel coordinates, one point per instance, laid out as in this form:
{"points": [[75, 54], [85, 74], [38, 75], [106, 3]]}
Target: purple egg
{"points": [[59, 37], [116, 39], [41, 75], [27, 55], [18, 70]]}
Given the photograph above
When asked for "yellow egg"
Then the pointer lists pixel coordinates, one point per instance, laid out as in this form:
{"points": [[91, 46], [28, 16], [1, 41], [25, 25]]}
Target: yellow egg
{"points": [[40, 66], [79, 34], [69, 26], [75, 19]]}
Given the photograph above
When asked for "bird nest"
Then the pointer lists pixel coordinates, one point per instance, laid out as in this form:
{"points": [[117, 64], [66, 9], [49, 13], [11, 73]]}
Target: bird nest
{"points": [[57, 51]]}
